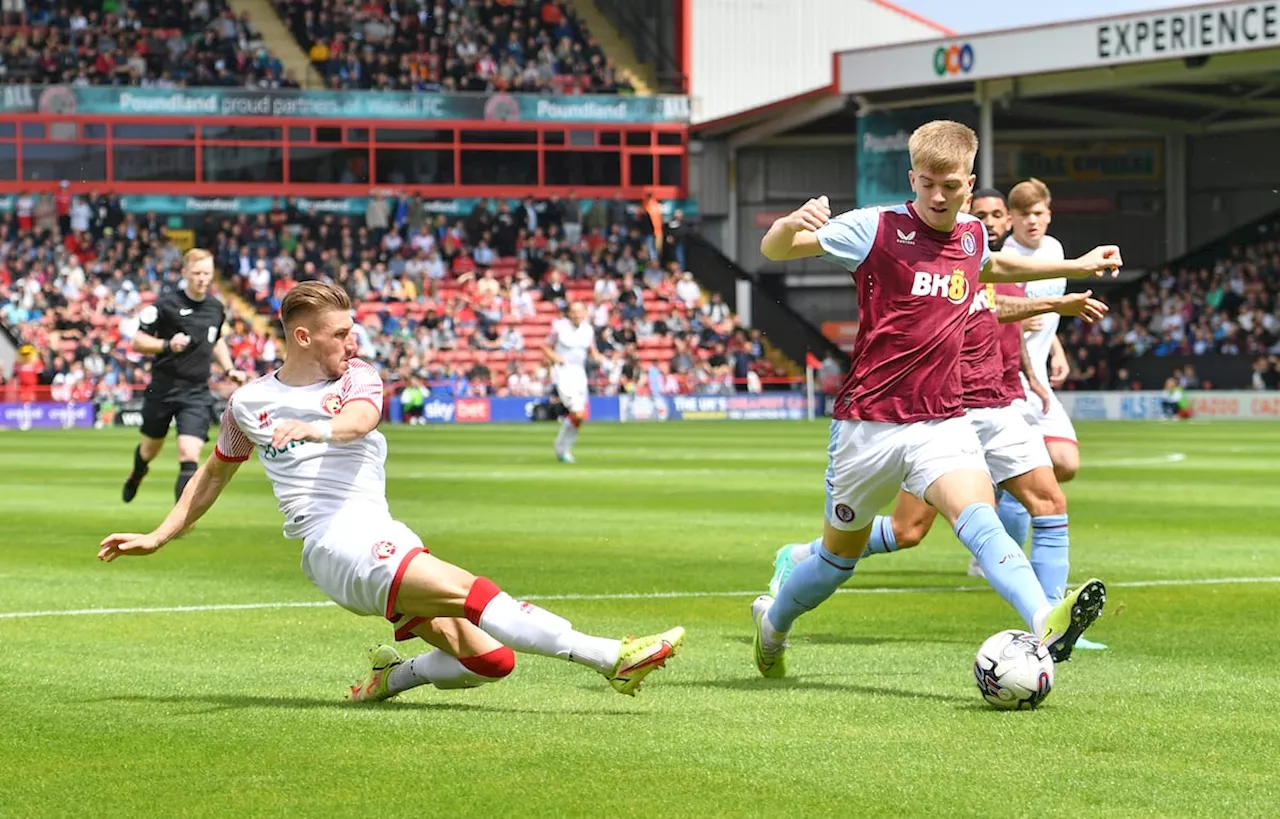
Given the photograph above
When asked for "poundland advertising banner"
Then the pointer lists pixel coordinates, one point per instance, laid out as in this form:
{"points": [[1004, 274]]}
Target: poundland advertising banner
{"points": [[883, 159], [356, 105]]}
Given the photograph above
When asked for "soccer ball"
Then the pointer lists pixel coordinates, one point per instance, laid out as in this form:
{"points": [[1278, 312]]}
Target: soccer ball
{"points": [[1013, 671]]}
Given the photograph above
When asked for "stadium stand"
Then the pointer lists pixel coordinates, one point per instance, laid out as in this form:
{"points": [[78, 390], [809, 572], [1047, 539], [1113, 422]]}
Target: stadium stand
{"points": [[537, 46], [156, 44], [435, 301], [465, 304], [1224, 302]]}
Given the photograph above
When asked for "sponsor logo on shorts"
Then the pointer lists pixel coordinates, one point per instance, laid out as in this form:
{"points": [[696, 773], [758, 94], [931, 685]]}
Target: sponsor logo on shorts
{"points": [[844, 514], [968, 244], [472, 410], [331, 403], [383, 549]]}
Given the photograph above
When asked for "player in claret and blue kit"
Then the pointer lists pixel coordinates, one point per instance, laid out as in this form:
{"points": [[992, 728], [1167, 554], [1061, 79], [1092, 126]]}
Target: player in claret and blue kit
{"points": [[899, 419]]}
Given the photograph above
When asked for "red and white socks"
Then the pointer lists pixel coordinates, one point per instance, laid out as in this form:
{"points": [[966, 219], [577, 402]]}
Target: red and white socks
{"points": [[533, 630]]}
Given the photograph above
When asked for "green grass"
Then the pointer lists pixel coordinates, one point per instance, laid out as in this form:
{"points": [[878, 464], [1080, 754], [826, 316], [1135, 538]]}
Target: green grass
{"points": [[240, 712]]}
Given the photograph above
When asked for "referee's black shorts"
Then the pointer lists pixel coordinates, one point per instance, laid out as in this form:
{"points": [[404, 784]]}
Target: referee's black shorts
{"points": [[193, 409]]}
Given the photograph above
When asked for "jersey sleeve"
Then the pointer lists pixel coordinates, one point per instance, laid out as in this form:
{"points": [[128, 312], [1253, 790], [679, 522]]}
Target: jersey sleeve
{"points": [[362, 383], [848, 238], [554, 335], [233, 445], [151, 319], [986, 246]]}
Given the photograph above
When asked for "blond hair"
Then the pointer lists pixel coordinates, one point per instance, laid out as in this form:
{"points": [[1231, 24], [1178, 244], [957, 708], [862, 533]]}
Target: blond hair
{"points": [[943, 146], [309, 298], [194, 255], [1027, 194]]}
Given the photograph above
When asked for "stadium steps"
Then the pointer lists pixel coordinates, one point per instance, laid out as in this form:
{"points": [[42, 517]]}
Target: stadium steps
{"points": [[241, 308], [279, 40], [616, 46]]}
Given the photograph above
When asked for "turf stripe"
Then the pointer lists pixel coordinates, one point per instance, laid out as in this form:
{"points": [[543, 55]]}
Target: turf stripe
{"points": [[315, 604]]}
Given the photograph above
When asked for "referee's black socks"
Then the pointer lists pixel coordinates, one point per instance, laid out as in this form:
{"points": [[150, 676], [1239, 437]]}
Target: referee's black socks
{"points": [[185, 470], [139, 465]]}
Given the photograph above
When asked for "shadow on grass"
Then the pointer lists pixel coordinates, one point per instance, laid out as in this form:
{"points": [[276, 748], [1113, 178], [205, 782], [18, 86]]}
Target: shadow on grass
{"points": [[815, 683], [235, 702]]}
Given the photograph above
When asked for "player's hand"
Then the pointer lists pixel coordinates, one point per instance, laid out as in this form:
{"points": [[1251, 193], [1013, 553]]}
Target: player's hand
{"points": [[238, 376], [811, 215], [1081, 305], [1102, 260], [1040, 392], [1032, 324], [179, 342], [1059, 369], [286, 432], [127, 544]]}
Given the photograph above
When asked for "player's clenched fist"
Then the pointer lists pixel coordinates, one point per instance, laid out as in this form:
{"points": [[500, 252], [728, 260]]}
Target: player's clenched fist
{"points": [[1102, 260], [811, 215]]}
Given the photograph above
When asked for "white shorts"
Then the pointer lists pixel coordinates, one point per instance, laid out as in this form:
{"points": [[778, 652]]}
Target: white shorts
{"points": [[1010, 445], [1053, 426], [572, 389], [359, 562], [868, 462]]}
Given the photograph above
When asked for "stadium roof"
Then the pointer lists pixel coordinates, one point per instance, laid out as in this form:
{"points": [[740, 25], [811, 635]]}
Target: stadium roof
{"points": [[1194, 69]]}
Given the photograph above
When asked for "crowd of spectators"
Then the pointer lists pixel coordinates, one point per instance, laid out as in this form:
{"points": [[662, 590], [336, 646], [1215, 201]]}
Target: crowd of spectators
{"points": [[452, 45], [1228, 307], [152, 44], [75, 272], [457, 306], [465, 304]]}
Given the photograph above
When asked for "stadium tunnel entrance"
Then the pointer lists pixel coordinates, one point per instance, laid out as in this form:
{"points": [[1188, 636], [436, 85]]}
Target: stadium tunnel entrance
{"points": [[1156, 131]]}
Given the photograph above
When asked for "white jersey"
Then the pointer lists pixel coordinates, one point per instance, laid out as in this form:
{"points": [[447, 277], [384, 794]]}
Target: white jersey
{"points": [[1040, 342], [572, 345], [313, 482]]}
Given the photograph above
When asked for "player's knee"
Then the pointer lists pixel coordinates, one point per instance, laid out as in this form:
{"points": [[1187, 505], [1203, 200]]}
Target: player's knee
{"points": [[1066, 469]]}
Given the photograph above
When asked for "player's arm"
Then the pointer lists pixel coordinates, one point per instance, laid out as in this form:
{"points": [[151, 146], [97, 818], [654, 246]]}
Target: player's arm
{"points": [[1059, 365], [1029, 371], [549, 349], [148, 340], [202, 491], [1014, 267], [1016, 308], [795, 236], [360, 414], [222, 356]]}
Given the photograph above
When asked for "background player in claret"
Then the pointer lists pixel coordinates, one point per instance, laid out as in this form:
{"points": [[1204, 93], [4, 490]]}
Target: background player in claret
{"points": [[314, 423], [183, 330], [571, 341], [899, 419]]}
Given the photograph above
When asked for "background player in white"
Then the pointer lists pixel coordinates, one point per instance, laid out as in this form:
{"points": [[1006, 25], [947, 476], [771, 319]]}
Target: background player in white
{"points": [[314, 424], [571, 341], [1029, 205]]}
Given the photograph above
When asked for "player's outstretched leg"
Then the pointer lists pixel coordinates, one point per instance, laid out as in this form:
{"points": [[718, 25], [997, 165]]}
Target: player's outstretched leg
{"points": [[464, 657], [432, 588], [1015, 519], [1037, 491]]}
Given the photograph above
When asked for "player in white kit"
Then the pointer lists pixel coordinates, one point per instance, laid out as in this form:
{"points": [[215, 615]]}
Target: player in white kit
{"points": [[1029, 203], [314, 423], [571, 341]]}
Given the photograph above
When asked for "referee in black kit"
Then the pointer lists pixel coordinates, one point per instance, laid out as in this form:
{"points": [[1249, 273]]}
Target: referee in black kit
{"points": [[183, 330]]}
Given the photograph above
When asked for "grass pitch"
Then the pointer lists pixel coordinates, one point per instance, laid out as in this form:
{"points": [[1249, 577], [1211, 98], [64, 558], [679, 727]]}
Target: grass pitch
{"points": [[224, 711]]}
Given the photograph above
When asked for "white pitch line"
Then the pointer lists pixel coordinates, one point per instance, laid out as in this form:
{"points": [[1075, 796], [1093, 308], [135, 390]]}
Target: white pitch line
{"points": [[1154, 460], [672, 595]]}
